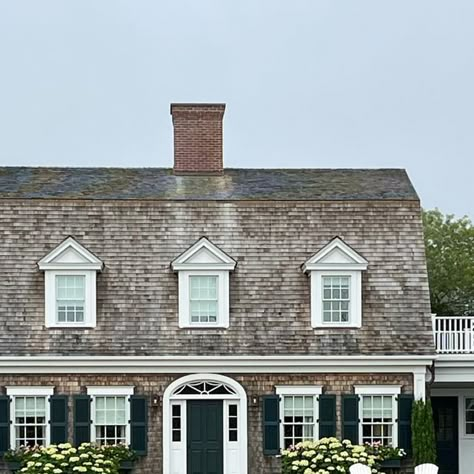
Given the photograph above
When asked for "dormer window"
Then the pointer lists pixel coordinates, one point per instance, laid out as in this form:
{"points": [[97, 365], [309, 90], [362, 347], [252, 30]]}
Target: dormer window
{"points": [[203, 286], [336, 286], [70, 285]]}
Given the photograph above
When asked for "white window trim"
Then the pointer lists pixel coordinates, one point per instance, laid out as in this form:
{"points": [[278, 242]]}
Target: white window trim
{"points": [[90, 303], [382, 390], [466, 435], [355, 303], [116, 391], [29, 391], [222, 299], [295, 391]]}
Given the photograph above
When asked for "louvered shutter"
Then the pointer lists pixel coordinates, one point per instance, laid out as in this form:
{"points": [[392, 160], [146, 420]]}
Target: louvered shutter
{"points": [[4, 423], [350, 418], [59, 418], [271, 425], [139, 424], [82, 419], [405, 406], [327, 416]]}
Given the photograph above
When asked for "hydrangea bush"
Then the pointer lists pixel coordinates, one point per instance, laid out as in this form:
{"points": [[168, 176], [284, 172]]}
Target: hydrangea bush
{"points": [[65, 459], [332, 456]]}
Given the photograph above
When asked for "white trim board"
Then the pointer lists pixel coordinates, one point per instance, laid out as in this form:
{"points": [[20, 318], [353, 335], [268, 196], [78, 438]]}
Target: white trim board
{"points": [[229, 364]]}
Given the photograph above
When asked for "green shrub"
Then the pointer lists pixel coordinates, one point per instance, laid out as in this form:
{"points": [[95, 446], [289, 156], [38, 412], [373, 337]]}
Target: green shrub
{"points": [[423, 434], [328, 455], [65, 459]]}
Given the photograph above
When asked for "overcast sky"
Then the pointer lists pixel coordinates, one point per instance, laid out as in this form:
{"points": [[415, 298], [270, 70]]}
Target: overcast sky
{"points": [[308, 83]]}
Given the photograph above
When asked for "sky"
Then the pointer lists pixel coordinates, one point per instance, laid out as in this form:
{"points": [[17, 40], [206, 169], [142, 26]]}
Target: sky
{"points": [[307, 83]]}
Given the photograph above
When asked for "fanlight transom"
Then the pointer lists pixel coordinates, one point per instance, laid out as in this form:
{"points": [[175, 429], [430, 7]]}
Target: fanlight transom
{"points": [[204, 388]]}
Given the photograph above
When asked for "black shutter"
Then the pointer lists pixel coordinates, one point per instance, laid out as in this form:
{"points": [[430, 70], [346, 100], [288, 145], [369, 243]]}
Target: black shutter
{"points": [[405, 406], [350, 418], [4, 424], [139, 424], [327, 416], [58, 418], [271, 424], [82, 419]]}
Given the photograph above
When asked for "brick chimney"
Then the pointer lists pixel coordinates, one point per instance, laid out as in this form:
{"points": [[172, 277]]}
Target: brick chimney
{"points": [[198, 144]]}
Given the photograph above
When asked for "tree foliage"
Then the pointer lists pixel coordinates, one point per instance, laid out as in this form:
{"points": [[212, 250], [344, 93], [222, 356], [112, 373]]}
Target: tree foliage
{"points": [[423, 433], [449, 246]]}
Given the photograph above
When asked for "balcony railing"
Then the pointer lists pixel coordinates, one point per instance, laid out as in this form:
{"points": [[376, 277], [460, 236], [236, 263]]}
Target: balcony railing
{"points": [[454, 334]]}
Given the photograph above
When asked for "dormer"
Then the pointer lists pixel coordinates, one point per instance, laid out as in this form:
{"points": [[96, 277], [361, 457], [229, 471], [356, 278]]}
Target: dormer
{"points": [[336, 285], [203, 285], [70, 272]]}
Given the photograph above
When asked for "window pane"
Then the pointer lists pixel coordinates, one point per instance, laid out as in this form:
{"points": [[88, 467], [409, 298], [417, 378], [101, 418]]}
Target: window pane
{"points": [[377, 419], [336, 299], [298, 418], [70, 298], [203, 301], [30, 420]]}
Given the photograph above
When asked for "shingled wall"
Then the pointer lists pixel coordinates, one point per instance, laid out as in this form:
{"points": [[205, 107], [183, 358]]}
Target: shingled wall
{"points": [[270, 295], [254, 385]]}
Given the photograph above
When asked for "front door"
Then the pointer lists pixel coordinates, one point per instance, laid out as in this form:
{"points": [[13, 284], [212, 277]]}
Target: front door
{"points": [[445, 411], [205, 437]]}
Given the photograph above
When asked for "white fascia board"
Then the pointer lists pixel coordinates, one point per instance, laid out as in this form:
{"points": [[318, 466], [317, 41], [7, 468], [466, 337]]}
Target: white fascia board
{"points": [[377, 389], [19, 390], [209, 364], [98, 390], [334, 266], [203, 266]]}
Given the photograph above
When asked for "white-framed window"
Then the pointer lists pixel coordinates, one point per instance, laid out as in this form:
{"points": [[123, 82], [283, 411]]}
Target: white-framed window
{"points": [[29, 415], [378, 414], [203, 286], [298, 413], [336, 286], [70, 285], [469, 416], [110, 413]]}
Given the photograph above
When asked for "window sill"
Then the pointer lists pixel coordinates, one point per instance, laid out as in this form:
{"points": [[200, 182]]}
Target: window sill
{"points": [[205, 327], [337, 326], [71, 326]]}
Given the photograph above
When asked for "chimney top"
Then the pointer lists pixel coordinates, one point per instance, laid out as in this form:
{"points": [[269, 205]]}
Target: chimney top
{"points": [[198, 143]]}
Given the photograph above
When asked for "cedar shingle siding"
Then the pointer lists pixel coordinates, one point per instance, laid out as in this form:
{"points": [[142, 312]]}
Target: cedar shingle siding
{"points": [[269, 294]]}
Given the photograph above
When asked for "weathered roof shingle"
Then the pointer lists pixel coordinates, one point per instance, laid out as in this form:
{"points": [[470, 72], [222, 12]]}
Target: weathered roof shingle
{"points": [[235, 184]]}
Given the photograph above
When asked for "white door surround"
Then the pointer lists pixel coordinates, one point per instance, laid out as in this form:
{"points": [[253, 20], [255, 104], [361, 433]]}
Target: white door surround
{"points": [[204, 387]]}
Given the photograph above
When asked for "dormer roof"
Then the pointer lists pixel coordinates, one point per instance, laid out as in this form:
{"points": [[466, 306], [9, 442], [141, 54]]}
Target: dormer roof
{"points": [[70, 254], [336, 255]]}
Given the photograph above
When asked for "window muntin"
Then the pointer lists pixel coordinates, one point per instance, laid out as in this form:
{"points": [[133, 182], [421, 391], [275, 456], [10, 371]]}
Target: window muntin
{"points": [[378, 419], [336, 299], [176, 423], [110, 419], [30, 420], [233, 422], [70, 298], [203, 299], [469, 406], [298, 419]]}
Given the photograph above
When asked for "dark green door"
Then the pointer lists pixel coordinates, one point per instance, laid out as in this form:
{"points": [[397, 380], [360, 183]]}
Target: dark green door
{"points": [[445, 412], [205, 437]]}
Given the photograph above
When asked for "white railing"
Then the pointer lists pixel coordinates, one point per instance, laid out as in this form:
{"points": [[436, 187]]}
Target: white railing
{"points": [[454, 334]]}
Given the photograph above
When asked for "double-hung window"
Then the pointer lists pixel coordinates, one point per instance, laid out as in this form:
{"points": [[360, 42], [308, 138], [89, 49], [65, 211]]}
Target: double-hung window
{"points": [[203, 286], [336, 286], [110, 414], [298, 414], [29, 414], [378, 413], [70, 272]]}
